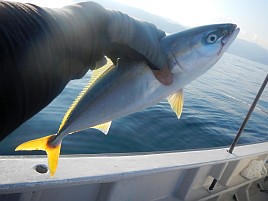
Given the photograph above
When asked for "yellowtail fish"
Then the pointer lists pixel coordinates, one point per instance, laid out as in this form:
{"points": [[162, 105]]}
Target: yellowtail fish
{"points": [[130, 86]]}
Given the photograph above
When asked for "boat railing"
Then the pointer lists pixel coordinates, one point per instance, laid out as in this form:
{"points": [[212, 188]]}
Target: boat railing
{"points": [[253, 105]]}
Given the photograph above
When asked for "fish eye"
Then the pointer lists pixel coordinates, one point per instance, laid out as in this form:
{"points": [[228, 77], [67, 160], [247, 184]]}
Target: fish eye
{"points": [[212, 38]]}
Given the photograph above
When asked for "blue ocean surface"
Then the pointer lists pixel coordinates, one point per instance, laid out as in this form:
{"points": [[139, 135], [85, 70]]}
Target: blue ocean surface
{"points": [[215, 105]]}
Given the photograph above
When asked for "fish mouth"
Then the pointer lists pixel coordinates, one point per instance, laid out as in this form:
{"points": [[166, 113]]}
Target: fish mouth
{"points": [[227, 40]]}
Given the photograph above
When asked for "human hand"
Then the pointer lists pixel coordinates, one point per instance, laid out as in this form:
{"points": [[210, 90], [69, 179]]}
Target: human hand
{"points": [[135, 39]]}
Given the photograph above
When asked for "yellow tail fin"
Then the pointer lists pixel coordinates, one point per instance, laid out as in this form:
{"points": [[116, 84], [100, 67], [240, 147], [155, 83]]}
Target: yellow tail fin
{"points": [[53, 152]]}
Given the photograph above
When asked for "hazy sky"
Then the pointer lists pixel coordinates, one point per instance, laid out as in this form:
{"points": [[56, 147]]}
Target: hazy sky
{"points": [[250, 15]]}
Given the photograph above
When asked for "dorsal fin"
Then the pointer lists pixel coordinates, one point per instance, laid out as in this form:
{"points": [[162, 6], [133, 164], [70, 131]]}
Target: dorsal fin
{"points": [[103, 127], [176, 102], [97, 73], [94, 77]]}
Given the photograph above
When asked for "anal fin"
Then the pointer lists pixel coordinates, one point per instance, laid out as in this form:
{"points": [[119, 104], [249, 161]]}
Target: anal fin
{"points": [[103, 127]]}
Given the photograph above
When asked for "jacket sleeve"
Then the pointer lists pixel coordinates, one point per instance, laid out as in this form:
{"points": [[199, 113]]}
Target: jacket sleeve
{"points": [[37, 59], [43, 49]]}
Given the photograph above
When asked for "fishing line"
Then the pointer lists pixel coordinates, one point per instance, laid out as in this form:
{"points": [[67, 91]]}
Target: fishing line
{"points": [[243, 102]]}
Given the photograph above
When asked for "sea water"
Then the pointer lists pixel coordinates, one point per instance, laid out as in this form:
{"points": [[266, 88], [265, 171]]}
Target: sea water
{"points": [[215, 105]]}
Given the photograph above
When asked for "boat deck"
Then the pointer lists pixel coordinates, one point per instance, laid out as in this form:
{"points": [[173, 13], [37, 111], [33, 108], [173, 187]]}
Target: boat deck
{"points": [[172, 176]]}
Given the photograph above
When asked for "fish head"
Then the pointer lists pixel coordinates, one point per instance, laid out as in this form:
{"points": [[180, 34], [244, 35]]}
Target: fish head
{"points": [[197, 49]]}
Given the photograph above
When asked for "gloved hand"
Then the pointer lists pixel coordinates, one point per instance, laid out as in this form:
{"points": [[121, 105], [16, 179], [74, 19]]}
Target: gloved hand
{"points": [[129, 37], [136, 39]]}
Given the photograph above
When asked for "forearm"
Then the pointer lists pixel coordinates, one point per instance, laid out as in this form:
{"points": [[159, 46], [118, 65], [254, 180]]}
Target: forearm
{"points": [[23, 81], [83, 31], [41, 51], [36, 63]]}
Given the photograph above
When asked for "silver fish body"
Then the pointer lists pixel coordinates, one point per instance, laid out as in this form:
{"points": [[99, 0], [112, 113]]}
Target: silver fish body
{"points": [[130, 86]]}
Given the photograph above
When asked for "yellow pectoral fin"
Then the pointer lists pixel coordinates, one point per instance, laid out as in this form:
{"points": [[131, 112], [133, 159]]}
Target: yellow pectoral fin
{"points": [[43, 144], [103, 127], [176, 102]]}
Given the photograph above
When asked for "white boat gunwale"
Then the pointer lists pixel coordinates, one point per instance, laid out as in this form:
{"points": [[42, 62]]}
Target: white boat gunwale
{"points": [[114, 169]]}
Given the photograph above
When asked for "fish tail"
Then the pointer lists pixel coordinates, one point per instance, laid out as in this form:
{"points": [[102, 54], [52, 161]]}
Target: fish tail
{"points": [[44, 144]]}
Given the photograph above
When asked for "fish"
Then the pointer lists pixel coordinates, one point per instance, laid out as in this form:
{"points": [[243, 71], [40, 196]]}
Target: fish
{"points": [[129, 86]]}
